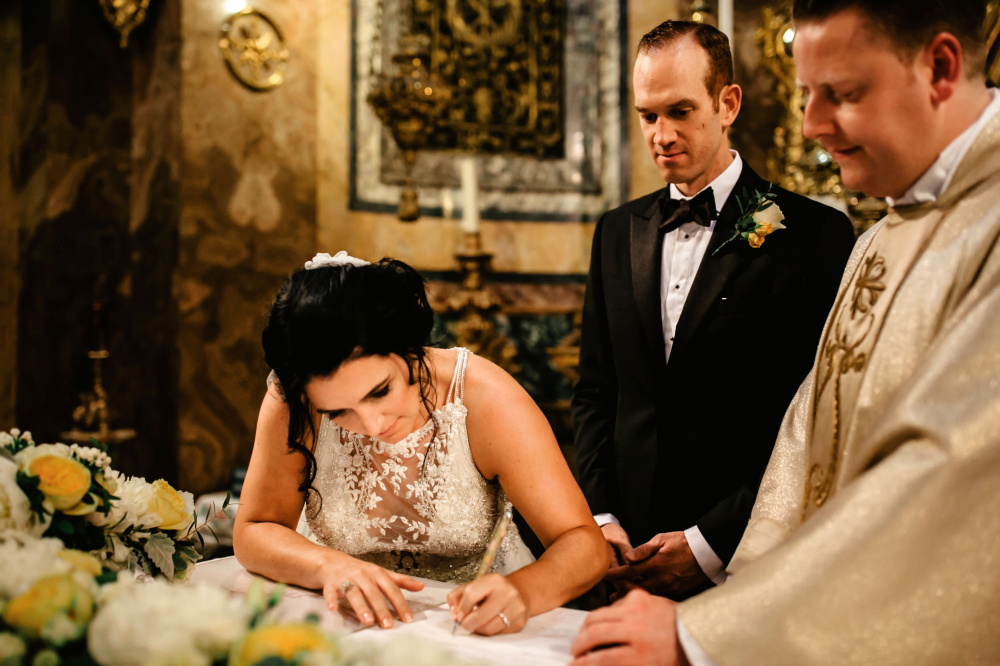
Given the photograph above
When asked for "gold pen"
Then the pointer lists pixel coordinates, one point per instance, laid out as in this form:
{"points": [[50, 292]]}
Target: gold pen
{"points": [[499, 532]]}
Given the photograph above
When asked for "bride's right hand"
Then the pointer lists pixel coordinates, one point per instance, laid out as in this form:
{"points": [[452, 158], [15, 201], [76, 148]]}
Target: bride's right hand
{"points": [[367, 586]]}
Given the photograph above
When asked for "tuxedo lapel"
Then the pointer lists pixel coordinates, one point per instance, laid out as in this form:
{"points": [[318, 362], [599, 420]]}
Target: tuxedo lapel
{"points": [[716, 270], [645, 246]]}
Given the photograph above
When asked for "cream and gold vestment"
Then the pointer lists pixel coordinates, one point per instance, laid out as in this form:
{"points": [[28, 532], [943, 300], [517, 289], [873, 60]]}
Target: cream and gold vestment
{"points": [[875, 538]]}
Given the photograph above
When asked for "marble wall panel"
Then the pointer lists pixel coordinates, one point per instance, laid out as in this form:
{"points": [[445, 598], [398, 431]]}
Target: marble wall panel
{"points": [[79, 241], [10, 85], [248, 192]]}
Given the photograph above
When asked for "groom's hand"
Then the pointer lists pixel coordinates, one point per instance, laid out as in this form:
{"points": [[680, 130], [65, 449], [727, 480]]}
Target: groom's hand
{"points": [[619, 545], [665, 566]]}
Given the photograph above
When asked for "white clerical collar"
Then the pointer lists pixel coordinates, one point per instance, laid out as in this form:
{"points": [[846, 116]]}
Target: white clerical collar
{"points": [[936, 179], [722, 186]]}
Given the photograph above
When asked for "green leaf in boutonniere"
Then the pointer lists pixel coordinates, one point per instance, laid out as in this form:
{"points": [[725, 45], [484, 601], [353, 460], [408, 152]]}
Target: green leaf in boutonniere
{"points": [[759, 218]]}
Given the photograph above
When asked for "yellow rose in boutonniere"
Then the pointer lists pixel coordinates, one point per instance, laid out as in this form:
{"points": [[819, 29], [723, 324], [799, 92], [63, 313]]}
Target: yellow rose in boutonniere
{"points": [[63, 481], [172, 507], [759, 218]]}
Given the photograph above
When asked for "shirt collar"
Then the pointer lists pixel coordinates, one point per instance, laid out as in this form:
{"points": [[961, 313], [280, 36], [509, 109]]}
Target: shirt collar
{"points": [[936, 179], [722, 186]]}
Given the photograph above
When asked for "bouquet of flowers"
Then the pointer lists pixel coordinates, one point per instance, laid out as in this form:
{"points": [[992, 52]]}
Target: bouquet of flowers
{"points": [[73, 534], [47, 595], [57, 606], [70, 492]]}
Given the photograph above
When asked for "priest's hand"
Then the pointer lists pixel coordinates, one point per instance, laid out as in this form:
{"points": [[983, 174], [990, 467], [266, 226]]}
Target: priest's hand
{"points": [[619, 545], [638, 630], [665, 566]]}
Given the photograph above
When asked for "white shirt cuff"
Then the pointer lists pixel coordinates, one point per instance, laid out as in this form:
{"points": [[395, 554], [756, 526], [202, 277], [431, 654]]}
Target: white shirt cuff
{"points": [[709, 562], [695, 655], [605, 518]]}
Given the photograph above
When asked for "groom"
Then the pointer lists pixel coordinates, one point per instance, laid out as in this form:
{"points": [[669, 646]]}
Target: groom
{"points": [[693, 344]]}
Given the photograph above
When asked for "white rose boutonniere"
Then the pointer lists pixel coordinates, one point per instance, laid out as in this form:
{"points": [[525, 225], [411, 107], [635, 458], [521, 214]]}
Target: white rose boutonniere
{"points": [[759, 218]]}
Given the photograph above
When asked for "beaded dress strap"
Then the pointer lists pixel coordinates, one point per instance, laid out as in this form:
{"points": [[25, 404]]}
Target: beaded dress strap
{"points": [[456, 391]]}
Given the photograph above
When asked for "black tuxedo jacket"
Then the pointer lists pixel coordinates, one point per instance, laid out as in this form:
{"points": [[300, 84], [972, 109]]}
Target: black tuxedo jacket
{"points": [[665, 446]]}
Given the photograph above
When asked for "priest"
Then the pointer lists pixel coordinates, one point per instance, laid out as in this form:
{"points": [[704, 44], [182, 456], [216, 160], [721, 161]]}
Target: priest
{"points": [[875, 537]]}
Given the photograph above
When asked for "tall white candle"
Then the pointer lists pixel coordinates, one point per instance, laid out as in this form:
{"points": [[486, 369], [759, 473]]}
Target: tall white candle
{"points": [[726, 20], [470, 196], [447, 204]]}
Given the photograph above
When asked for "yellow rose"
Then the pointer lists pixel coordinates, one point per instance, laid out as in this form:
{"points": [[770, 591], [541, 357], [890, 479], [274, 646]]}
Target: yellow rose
{"points": [[47, 600], [63, 481], [168, 504], [763, 229], [81, 561], [755, 240], [282, 640]]}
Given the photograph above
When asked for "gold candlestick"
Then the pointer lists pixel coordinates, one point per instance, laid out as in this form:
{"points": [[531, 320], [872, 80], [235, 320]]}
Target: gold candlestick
{"points": [[91, 416], [477, 307]]}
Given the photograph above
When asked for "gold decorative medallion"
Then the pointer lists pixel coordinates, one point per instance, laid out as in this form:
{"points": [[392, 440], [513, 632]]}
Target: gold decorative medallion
{"points": [[254, 50], [125, 16]]}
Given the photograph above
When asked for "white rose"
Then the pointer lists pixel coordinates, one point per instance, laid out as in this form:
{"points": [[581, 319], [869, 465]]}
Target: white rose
{"points": [[25, 457], [25, 558], [771, 215], [15, 508], [132, 508], [181, 624]]}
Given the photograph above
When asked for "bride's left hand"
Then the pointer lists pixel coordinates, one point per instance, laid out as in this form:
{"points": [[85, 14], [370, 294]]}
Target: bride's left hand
{"points": [[482, 605]]}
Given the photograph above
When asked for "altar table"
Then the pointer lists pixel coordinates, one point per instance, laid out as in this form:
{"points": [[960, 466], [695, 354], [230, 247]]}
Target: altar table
{"points": [[544, 641]]}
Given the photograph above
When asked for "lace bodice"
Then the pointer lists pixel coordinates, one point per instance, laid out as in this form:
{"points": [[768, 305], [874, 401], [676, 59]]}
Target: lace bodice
{"points": [[419, 506]]}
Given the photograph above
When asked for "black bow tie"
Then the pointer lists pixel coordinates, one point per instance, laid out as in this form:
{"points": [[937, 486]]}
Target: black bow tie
{"points": [[675, 212]]}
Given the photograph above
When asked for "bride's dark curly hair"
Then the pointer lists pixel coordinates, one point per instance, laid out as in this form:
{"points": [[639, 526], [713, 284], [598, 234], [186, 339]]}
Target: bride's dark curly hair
{"points": [[324, 316]]}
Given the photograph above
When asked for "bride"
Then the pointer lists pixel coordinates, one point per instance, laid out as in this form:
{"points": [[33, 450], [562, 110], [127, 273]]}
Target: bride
{"points": [[404, 457]]}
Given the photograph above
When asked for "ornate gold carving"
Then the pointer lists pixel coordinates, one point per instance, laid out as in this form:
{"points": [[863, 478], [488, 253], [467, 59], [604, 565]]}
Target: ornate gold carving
{"points": [[254, 50], [992, 34], [493, 23], [125, 16], [502, 60], [409, 102], [477, 308], [795, 163], [566, 354]]}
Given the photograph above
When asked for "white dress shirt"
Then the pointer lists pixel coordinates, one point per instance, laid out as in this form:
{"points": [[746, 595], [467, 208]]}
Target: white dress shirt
{"points": [[683, 250], [926, 189]]}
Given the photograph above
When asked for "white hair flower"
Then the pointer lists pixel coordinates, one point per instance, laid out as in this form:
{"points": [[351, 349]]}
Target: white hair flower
{"points": [[339, 259]]}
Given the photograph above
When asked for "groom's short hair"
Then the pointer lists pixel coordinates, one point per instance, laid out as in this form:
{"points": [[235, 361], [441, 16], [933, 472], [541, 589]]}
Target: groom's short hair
{"points": [[713, 41], [911, 24]]}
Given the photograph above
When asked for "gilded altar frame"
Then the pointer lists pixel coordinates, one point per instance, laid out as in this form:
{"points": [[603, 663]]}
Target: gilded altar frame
{"points": [[590, 175]]}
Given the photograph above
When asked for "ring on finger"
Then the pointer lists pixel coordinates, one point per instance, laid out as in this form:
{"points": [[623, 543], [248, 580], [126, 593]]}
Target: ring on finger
{"points": [[504, 618], [345, 586]]}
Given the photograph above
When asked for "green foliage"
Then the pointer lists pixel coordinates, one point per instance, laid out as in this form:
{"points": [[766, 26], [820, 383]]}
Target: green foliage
{"points": [[36, 498]]}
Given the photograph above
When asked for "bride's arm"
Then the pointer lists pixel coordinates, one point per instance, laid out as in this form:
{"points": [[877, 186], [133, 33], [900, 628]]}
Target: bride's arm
{"points": [[512, 441], [265, 540]]}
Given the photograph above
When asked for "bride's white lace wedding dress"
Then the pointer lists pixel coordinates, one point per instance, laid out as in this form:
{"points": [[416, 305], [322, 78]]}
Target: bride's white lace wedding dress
{"points": [[419, 506]]}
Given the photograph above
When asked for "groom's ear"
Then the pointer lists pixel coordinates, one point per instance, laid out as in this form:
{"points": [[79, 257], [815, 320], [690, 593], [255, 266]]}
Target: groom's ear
{"points": [[730, 99]]}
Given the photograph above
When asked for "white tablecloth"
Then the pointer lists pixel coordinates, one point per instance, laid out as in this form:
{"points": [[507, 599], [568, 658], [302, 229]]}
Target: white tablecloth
{"points": [[544, 641]]}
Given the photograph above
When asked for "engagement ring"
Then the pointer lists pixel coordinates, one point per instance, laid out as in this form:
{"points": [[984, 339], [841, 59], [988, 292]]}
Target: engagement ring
{"points": [[504, 618], [345, 586]]}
